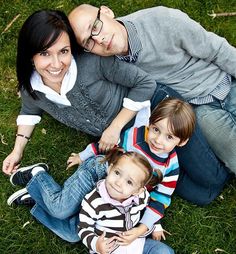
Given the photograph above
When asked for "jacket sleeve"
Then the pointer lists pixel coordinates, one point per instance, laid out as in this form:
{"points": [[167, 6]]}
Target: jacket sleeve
{"points": [[160, 196], [28, 105], [199, 43], [90, 151], [141, 84]]}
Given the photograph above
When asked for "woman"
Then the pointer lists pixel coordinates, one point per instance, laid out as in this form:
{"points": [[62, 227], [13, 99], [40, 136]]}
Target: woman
{"points": [[85, 92]]}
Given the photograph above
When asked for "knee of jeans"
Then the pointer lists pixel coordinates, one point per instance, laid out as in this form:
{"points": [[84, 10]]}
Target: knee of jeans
{"points": [[200, 200], [168, 251], [165, 250], [60, 214]]}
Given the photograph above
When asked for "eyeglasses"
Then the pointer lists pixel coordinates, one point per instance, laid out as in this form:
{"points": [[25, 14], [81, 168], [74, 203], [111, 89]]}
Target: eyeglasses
{"points": [[96, 29]]}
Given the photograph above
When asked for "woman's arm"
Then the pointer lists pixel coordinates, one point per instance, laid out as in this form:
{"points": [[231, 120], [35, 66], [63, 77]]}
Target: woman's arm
{"points": [[11, 162], [141, 87], [111, 134]]}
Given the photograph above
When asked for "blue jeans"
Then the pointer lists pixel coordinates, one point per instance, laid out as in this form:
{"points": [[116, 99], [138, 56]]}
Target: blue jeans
{"points": [[218, 123], [58, 207], [156, 247], [202, 175]]}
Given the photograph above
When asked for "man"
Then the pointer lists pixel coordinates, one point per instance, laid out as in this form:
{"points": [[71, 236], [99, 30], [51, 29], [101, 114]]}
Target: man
{"points": [[181, 54]]}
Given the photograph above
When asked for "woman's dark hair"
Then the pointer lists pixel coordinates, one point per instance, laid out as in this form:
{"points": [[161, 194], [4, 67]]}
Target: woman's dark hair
{"points": [[38, 33]]}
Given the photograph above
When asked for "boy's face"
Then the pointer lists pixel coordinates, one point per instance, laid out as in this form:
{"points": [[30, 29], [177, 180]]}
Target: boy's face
{"points": [[112, 39], [160, 139], [124, 179]]}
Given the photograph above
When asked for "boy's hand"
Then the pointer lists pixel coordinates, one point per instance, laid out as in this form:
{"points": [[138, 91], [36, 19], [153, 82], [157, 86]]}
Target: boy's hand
{"points": [[105, 246], [129, 236], [74, 159], [158, 235]]}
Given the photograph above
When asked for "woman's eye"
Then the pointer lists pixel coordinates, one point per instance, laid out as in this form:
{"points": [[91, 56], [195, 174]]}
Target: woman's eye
{"points": [[64, 51], [170, 137], [117, 172], [43, 53]]}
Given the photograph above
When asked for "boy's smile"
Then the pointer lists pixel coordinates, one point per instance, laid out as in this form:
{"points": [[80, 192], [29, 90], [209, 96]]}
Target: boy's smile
{"points": [[160, 138]]}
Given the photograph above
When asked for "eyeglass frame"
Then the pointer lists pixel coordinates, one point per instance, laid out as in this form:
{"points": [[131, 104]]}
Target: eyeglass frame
{"points": [[94, 34]]}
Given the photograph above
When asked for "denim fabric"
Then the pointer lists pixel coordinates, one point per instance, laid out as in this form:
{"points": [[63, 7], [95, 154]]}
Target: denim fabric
{"points": [[156, 247], [202, 175], [66, 229], [57, 207], [218, 123]]}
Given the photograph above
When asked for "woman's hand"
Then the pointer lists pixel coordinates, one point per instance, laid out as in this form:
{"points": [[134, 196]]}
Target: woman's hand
{"points": [[105, 246], [109, 139], [74, 159], [11, 163], [111, 135]]}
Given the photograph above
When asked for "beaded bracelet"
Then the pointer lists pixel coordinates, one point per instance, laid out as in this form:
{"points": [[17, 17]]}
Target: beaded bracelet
{"points": [[23, 136]]}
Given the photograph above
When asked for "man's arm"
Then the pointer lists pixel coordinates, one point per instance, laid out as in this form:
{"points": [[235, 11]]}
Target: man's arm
{"points": [[199, 43]]}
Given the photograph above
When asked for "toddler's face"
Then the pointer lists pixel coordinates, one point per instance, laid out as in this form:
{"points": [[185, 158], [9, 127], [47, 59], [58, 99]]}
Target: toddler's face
{"points": [[124, 179], [160, 138]]}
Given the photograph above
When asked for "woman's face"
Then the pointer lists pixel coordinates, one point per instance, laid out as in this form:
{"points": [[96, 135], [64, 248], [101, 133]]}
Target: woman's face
{"points": [[53, 63]]}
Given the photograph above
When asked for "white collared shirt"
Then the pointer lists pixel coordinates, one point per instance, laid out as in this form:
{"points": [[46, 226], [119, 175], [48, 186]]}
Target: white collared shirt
{"points": [[38, 85]]}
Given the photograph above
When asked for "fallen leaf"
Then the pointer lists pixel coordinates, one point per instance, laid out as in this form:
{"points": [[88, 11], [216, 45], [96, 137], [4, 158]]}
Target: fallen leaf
{"points": [[220, 250], [25, 224], [221, 197], [44, 131], [2, 140]]}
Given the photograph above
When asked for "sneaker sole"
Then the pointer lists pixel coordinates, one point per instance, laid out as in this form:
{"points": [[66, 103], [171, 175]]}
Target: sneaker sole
{"points": [[26, 168], [15, 195]]}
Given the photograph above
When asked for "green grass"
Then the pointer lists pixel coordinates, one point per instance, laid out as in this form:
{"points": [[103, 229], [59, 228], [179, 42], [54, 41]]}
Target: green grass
{"points": [[195, 230]]}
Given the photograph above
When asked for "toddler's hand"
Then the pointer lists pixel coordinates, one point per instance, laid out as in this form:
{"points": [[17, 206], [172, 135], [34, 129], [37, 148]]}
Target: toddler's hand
{"points": [[74, 159], [105, 246]]}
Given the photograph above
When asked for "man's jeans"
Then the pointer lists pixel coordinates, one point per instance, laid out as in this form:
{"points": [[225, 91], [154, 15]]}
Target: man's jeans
{"points": [[218, 124], [58, 207], [202, 175]]}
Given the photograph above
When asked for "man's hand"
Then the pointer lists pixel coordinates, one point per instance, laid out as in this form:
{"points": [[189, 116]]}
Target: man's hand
{"points": [[74, 159], [105, 246]]}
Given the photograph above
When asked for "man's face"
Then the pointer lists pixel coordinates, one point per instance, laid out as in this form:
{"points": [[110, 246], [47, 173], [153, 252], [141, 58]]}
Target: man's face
{"points": [[112, 40]]}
